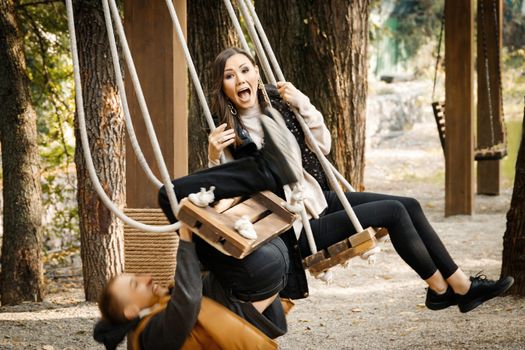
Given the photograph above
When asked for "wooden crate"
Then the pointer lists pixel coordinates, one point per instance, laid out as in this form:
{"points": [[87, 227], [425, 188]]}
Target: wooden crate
{"points": [[263, 209]]}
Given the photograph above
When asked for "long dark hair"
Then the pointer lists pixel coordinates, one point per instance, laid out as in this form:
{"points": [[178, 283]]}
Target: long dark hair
{"points": [[219, 105]]}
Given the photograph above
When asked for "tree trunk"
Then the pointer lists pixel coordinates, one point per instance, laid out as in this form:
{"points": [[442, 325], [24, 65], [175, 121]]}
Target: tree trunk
{"points": [[101, 234], [209, 32], [21, 275], [514, 238], [322, 49]]}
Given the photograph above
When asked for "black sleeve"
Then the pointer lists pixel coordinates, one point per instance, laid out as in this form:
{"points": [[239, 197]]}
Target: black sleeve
{"points": [[170, 328]]}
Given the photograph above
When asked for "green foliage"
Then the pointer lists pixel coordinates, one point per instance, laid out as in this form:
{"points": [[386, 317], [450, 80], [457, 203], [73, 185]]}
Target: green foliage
{"points": [[46, 45], [514, 25], [414, 22], [399, 30]]}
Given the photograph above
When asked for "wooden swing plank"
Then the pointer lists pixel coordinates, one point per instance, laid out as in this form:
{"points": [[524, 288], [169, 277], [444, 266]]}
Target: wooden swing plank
{"points": [[252, 208], [341, 258], [381, 232], [361, 237], [226, 203], [338, 247], [273, 202], [316, 258], [267, 228], [218, 229], [340, 252]]}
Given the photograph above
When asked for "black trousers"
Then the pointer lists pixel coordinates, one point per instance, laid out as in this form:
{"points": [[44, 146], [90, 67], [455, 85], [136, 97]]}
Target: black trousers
{"points": [[259, 275], [411, 234]]}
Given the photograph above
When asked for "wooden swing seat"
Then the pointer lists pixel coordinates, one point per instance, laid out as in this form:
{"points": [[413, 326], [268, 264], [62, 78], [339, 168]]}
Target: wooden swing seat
{"points": [[439, 116], [495, 152], [341, 252], [216, 225]]}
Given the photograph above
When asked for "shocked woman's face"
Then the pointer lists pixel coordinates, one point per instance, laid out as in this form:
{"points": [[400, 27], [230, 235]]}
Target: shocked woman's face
{"points": [[240, 81]]}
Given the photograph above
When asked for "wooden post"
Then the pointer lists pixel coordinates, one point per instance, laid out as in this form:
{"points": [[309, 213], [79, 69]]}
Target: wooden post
{"points": [[162, 71], [488, 171], [458, 108]]}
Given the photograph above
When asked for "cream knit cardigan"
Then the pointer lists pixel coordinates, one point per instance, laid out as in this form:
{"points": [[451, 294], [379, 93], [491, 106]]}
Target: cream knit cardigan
{"points": [[314, 199]]}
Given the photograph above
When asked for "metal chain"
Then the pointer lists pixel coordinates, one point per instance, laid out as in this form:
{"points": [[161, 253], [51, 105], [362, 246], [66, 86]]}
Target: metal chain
{"points": [[481, 30], [438, 53], [498, 67]]}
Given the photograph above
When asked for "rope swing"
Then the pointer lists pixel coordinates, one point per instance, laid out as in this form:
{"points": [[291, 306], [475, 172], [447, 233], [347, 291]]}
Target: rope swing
{"points": [[263, 50], [496, 146]]}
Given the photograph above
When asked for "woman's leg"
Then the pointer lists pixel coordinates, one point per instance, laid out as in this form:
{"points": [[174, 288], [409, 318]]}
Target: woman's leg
{"points": [[257, 277], [333, 227], [449, 273], [435, 247], [238, 178], [415, 241]]}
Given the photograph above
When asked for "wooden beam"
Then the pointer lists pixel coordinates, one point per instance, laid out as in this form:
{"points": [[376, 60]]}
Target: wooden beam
{"points": [[162, 72], [488, 172], [458, 108]]}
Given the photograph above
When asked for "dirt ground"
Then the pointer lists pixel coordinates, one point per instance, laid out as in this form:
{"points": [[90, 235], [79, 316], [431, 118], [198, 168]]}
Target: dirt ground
{"points": [[368, 306]]}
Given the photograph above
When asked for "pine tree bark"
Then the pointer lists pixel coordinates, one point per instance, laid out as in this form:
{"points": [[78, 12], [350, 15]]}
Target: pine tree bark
{"points": [[209, 32], [514, 238], [322, 49], [101, 234], [21, 277]]}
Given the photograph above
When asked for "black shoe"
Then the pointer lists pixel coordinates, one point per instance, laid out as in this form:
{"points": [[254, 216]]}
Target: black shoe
{"points": [[280, 151], [435, 301], [481, 290]]}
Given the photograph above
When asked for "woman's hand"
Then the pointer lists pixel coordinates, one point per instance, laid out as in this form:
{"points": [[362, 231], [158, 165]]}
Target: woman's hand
{"points": [[218, 140], [291, 94]]}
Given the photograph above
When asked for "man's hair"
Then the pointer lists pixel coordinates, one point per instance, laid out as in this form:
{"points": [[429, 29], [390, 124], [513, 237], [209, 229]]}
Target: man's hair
{"points": [[110, 308]]}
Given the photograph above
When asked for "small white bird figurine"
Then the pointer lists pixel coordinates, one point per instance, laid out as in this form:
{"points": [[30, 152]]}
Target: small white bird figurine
{"points": [[245, 228], [203, 198]]}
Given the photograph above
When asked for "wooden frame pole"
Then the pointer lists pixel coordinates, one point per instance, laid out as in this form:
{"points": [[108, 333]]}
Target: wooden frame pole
{"points": [[458, 107], [162, 71]]}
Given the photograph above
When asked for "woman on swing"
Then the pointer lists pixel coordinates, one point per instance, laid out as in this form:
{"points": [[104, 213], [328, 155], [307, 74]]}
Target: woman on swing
{"points": [[238, 103]]}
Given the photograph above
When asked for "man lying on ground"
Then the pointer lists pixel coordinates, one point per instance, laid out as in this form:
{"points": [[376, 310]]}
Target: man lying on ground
{"points": [[152, 318]]}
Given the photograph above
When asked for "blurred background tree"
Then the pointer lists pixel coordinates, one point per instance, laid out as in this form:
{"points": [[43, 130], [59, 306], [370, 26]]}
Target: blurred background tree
{"points": [[46, 46]]}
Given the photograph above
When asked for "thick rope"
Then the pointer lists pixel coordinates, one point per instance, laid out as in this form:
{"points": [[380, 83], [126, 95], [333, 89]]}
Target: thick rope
{"points": [[85, 142], [191, 66], [327, 166], [264, 40], [258, 47], [157, 152], [193, 72], [269, 74], [236, 25]]}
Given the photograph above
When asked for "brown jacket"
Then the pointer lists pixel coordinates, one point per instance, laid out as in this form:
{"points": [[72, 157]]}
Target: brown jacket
{"points": [[216, 328]]}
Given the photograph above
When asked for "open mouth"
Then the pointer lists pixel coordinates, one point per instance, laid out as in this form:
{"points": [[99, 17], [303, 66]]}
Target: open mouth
{"points": [[244, 94]]}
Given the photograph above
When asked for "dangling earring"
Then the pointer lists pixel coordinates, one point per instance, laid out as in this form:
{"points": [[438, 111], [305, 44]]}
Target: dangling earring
{"points": [[264, 93], [233, 111]]}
